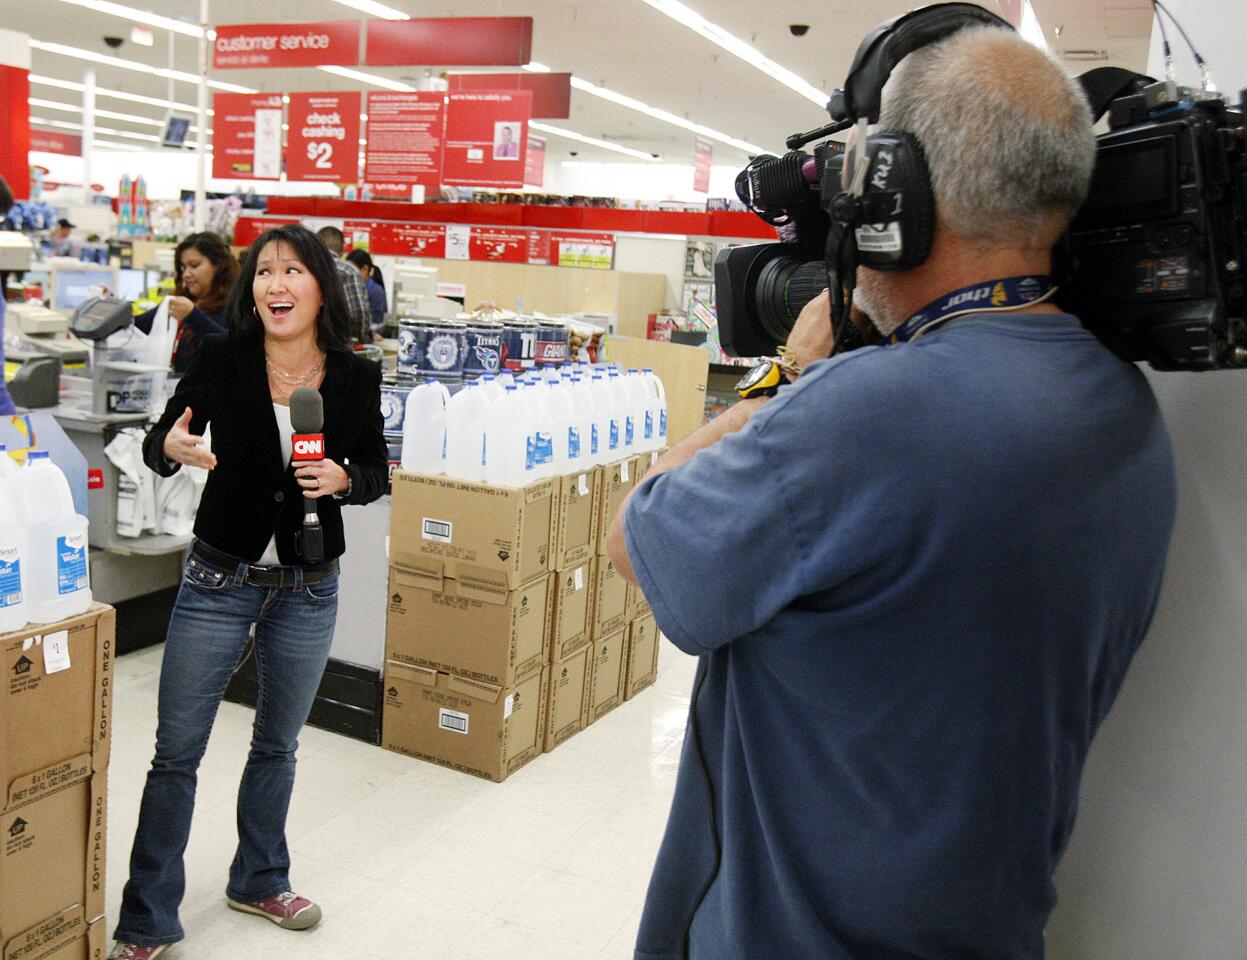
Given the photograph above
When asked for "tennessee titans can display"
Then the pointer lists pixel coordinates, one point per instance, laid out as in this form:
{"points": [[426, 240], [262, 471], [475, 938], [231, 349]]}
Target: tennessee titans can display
{"points": [[484, 348]]}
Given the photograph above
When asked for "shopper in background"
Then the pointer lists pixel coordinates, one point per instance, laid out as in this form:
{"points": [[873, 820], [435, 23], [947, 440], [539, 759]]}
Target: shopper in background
{"points": [[62, 238], [206, 271], [287, 329], [6, 401], [352, 285], [932, 563], [374, 286]]}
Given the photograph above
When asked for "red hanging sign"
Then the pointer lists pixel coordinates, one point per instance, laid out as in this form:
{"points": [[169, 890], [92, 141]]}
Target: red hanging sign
{"points": [[498, 245], [552, 92], [68, 144], [323, 140], [457, 41], [486, 138], [409, 240], [703, 156], [253, 45], [237, 119], [405, 138], [535, 162], [247, 230]]}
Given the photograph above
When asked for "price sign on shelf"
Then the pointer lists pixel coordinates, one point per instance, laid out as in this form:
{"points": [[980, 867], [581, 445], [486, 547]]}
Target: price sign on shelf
{"points": [[324, 137]]}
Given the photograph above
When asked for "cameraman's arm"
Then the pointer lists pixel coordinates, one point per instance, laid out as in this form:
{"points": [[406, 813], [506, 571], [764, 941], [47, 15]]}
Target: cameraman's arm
{"points": [[729, 422]]}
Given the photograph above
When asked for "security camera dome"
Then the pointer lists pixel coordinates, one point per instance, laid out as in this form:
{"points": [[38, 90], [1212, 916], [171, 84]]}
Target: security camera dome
{"points": [[114, 42], [798, 29]]}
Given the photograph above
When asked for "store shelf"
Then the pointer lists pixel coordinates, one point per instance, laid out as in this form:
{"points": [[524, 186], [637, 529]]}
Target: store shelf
{"points": [[151, 545]]}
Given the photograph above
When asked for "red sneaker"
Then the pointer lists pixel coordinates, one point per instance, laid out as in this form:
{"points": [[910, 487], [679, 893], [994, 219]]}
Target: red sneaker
{"points": [[132, 951], [288, 910]]}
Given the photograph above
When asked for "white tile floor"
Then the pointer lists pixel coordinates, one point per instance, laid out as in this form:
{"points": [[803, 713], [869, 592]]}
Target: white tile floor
{"points": [[411, 861]]}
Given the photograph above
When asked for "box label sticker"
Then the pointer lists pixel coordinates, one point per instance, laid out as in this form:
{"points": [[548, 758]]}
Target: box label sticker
{"points": [[582, 484], [452, 720], [56, 652], [71, 563], [653, 458], [508, 707], [579, 577], [623, 471], [439, 530]]}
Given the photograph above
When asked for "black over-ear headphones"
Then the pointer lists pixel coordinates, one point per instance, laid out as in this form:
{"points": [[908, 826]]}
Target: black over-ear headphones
{"points": [[883, 210]]}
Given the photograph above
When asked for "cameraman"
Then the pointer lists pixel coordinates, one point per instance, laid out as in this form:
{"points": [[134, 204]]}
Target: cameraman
{"points": [[931, 563]]}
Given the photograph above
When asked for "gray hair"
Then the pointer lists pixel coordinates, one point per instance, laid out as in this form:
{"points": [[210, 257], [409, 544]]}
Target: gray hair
{"points": [[1007, 135]]}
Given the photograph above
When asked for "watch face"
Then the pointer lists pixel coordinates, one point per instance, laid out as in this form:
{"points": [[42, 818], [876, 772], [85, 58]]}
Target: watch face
{"points": [[754, 376]]}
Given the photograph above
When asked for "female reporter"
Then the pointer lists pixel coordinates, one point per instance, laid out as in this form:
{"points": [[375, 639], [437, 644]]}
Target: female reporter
{"points": [[287, 329], [206, 271]]}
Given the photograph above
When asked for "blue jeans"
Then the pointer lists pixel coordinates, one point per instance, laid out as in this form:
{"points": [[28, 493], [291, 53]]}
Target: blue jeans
{"points": [[208, 632]]}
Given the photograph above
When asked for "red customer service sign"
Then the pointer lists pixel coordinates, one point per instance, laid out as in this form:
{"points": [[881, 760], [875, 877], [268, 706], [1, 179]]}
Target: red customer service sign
{"points": [[255, 45], [323, 140], [458, 41], [246, 135], [405, 138]]}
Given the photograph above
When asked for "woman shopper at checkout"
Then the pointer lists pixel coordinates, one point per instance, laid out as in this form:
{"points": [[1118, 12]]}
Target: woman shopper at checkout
{"points": [[206, 271], [287, 329]]}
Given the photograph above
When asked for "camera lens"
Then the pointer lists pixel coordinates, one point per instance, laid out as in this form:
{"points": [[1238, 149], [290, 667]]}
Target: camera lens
{"points": [[785, 286]]}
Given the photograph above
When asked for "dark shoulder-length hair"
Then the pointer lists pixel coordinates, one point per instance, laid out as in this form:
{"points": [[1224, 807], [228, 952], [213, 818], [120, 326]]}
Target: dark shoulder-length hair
{"points": [[361, 258], [224, 266], [331, 322]]}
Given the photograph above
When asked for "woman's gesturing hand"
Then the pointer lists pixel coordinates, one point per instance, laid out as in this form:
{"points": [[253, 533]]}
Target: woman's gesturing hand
{"points": [[181, 445]]}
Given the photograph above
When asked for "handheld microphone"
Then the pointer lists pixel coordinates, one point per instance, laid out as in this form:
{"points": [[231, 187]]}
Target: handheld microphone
{"points": [[307, 417]]}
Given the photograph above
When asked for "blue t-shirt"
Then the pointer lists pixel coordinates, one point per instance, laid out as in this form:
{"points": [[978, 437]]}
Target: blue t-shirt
{"points": [[6, 401], [917, 578]]}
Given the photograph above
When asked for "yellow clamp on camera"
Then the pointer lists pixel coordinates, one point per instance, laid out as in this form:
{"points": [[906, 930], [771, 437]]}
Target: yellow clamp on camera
{"points": [[764, 380]]}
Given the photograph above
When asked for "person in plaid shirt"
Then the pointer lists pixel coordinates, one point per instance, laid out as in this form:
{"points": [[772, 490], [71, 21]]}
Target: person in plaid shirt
{"points": [[352, 284]]}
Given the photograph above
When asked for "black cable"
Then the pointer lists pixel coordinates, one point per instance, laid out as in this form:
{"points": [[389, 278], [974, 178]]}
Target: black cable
{"points": [[1164, 41]]}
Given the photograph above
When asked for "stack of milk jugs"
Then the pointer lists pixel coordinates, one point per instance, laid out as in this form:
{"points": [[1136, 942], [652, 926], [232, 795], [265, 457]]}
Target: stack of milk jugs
{"points": [[44, 569], [511, 430], [505, 610], [57, 650]]}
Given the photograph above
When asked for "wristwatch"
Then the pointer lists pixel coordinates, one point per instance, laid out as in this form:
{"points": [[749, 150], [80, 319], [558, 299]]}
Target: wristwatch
{"points": [[764, 380]]}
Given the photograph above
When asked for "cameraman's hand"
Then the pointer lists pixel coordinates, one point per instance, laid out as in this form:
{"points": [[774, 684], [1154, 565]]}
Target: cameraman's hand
{"points": [[812, 337]]}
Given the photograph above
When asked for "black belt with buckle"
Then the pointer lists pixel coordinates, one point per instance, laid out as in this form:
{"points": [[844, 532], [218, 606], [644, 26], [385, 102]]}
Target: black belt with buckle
{"points": [[263, 576]]}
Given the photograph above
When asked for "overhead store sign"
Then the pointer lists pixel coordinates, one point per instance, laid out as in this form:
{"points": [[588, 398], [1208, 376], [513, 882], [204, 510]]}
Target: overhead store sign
{"points": [[323, 140], [258, 45], [486, 138], [703, 157], [69, 144], [457, 41], [405, 138], [552, 92], [535, 162], [246, 136]]}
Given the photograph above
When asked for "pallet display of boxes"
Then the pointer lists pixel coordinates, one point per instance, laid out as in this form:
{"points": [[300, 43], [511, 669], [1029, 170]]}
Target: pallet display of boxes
{"points": [[508, 626], [55, 733]]}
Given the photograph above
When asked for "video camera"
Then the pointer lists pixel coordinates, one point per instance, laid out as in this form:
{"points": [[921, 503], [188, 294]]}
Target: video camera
{"points": [[1153, 263]]}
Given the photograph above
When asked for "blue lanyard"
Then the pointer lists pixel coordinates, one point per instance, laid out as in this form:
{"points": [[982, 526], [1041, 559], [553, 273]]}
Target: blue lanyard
{"points": [[1006, 294]]}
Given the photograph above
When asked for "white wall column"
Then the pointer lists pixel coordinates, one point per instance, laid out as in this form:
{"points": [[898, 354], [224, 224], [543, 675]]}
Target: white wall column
{"points": [[88, 132]]}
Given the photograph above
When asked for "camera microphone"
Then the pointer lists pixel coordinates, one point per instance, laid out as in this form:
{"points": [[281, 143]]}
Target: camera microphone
{"points": [[307, 418]]}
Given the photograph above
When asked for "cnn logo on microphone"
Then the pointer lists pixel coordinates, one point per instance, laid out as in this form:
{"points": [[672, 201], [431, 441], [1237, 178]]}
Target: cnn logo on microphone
{"points": [[308, 446]]}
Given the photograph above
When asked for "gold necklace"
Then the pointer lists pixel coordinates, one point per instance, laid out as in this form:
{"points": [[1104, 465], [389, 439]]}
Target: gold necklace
{"points": [[292, 379]]}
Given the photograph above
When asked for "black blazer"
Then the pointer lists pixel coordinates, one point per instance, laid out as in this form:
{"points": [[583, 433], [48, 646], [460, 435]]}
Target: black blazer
{"points": [[196, 325], [251, 494]]}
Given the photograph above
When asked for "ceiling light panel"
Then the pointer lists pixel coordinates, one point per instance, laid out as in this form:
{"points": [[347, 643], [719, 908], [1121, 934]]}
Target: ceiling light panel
{"points": [[593, 141], [690, 18], [114, 94], [77, 53], [375, 9], [370, 78], [143, 17]]}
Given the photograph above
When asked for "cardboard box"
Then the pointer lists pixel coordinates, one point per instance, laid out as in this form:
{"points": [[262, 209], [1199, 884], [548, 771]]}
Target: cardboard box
{"points": [[487, 731], [617, 482], [50, 712], [572, 623], [638, 606], [57, 936], [52, 858], [610, 599], [488, 538], [453, 627], [575, 531], [607, 660], [642, 655], [569, 689]]}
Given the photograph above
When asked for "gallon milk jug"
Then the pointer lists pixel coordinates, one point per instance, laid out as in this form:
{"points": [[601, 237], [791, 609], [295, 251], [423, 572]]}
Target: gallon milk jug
{"points": [[465, 434], [605, 420], [565, 430], [624, 413], [12, 547], [424, 428], [657, 402], [506, 440], [57, 579]]}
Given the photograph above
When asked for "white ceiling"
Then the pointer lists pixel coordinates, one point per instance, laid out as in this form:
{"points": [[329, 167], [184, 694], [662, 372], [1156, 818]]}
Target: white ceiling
{"points": [[624, 45]]}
